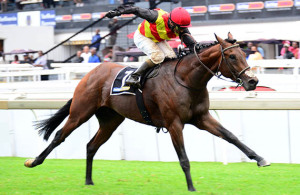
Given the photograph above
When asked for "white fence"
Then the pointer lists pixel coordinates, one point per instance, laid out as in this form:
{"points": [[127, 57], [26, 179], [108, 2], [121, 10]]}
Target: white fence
{"points": [[67, 70], [272, 132]]}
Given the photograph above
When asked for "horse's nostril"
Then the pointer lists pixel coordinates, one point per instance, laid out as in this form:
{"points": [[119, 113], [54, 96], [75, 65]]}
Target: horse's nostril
{"points": [[252, 82]]}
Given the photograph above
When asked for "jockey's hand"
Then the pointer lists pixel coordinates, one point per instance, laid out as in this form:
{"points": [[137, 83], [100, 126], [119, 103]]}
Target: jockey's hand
{"points": [[126, 9], [112, 13]]}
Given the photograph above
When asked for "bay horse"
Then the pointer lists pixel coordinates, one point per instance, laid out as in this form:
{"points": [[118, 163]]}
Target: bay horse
{"points": [[173, 98]]}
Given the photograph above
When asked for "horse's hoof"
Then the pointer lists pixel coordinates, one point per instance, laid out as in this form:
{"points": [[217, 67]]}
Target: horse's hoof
{"points": [[89, 183], [28, 163], [192, 189], [263, 163]]}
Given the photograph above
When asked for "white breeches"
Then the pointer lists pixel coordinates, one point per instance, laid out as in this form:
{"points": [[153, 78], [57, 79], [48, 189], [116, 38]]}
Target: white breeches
{"points": [[157, 52]]}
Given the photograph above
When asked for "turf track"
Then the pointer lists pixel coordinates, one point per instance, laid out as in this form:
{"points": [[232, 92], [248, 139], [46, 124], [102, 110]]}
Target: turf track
{"points": [[134, 177]]}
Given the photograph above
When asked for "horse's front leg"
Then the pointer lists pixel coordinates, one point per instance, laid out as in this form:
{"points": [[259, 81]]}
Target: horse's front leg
{"points": [[175, 130], [207, 122]]}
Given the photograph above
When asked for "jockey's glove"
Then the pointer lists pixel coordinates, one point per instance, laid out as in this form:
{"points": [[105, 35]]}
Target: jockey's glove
{"points": [[123, 9], [112, 13]]}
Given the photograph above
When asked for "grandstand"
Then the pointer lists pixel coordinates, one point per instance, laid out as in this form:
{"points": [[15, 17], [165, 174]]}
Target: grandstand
{"points": [[256, 18]]}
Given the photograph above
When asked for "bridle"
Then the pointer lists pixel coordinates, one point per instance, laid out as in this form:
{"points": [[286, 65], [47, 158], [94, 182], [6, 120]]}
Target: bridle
{"points": [[231, 69], [237, 76]]}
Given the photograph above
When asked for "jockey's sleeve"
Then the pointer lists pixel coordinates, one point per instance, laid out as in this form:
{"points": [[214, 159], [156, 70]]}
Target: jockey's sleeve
{"points": [[147, 14], [187, 38]]}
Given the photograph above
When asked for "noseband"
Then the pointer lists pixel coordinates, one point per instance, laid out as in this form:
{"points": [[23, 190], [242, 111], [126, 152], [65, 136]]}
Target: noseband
{"points": [[237, 78]]}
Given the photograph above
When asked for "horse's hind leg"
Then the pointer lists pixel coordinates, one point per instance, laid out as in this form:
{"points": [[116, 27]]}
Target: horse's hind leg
{"points": [[79, 114], [211, 125], [109, 120]]}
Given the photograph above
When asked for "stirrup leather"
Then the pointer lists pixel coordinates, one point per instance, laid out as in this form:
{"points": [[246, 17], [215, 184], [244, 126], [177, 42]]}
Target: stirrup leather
{"points": [[133, 80]]}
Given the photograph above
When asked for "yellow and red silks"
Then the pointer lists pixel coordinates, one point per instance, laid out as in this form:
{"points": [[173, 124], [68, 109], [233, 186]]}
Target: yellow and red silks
{"points": [[159, 30]]}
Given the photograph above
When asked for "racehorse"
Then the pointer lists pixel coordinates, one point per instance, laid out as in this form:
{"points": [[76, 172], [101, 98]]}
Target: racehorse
{"points": [[177, 96]]}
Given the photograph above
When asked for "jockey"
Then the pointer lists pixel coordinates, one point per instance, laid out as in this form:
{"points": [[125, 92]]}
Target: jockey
{"points": [[153, 32]]}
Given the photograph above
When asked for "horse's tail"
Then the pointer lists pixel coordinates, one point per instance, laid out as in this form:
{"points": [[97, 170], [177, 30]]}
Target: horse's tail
{"points": [[47, 126]]}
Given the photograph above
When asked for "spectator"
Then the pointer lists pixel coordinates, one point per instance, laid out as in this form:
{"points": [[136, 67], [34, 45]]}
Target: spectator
{"points": [[247, 49], [78, 3], [94, 58], [16, 60], [31, 58], [261, 51], [78, 58], [3, 5], [26, 59], [113, 26], [95, 39], [295, 49], [41, 62], [282, 52], [249, 45], [287, 54], [255, 54], [86, 54]]}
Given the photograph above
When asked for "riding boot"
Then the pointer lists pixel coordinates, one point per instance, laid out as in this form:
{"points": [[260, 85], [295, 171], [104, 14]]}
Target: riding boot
{"points": [[134, 78]]}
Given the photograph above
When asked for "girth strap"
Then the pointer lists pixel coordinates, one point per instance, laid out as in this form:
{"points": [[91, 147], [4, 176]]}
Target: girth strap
{"points": [[143, 109]]}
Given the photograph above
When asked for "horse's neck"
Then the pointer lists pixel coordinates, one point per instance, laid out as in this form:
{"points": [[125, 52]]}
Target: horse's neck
{"points": [[196, 75]]}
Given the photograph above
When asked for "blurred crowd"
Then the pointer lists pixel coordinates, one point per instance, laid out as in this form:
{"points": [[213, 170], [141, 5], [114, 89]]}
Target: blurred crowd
{"points": [[288, 51], [87, 55], [27, 59]]}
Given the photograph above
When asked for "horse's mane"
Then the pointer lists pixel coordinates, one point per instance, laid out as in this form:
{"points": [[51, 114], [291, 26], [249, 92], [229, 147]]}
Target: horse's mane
{"points": [[200, 47]]}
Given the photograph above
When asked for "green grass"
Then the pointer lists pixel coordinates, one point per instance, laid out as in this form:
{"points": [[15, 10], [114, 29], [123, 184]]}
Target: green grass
{"points": [[134, 177]]}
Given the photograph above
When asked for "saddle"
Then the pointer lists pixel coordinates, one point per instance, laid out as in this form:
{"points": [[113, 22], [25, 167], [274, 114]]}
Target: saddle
{"points": [[151, 73]]}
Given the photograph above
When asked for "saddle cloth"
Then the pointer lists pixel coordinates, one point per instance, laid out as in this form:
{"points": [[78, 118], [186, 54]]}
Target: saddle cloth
{"points": [[119, 87]]}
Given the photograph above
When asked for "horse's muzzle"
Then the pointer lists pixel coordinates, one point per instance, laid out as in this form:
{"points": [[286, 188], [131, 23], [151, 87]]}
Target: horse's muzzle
{"points": [[250, 84], [249, 80]]}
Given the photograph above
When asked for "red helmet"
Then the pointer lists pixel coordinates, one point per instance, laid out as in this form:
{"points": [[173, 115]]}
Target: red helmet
{"points": [[180, 16]]}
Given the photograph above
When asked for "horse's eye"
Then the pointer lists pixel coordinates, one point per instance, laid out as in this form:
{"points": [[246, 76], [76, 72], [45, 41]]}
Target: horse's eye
{"points": [[232, 57]]}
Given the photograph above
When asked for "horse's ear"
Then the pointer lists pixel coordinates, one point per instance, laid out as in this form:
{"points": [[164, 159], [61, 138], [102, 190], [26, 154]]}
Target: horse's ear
{"points": [[230, 36], [218, 38], [230, 39]]}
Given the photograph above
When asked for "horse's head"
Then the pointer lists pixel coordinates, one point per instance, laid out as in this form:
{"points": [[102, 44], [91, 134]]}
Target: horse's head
{"points": [[234, 65]]}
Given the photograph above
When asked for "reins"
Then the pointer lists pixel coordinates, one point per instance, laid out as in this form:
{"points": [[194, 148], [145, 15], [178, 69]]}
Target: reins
{"points": [[236, 77]]}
